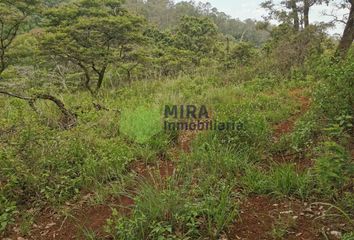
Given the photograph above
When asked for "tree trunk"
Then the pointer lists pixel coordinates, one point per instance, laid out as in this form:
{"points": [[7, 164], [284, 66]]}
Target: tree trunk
{"points": [[100, 78], [295, 15], [2, 62], [306, 13], [227, 46], [348, 34], [87, 77]]}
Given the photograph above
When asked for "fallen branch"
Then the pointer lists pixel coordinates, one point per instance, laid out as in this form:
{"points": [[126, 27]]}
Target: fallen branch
{"points": [[68, 119]]}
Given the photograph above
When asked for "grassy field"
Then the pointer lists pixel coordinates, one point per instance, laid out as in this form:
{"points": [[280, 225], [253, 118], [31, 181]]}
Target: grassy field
{"points": [[286, 173]]}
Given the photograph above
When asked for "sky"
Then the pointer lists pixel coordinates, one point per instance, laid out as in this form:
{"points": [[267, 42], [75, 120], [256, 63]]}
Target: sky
{"points": [[244, 9]]}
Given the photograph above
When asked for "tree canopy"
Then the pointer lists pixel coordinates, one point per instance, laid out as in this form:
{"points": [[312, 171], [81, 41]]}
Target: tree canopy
{"points": [[91, 34]]}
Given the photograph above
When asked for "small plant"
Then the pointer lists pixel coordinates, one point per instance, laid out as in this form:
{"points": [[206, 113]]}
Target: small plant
{"points": [[281, 227], [303, 134], [286, 181], [7, 211], [348, 236], [339, 130], [281, 180], [220, 210], [255, 181], [89, 234], [333, 168], [27, 220]]}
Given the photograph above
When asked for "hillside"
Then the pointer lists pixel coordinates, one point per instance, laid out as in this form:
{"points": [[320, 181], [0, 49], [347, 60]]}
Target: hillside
{"points": [[112, 127]]}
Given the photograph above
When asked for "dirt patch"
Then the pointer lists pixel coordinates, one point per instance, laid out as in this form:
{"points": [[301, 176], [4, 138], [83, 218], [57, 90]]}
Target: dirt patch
{"points": [[82, 217], [263, 217], [185, 139], [164, 168], [86, 218], [301, 163], [287, 126], [146, 171]]}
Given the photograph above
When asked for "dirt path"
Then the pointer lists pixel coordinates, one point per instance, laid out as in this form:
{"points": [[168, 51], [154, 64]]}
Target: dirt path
{"points": [[287, 126], [84, 216]]}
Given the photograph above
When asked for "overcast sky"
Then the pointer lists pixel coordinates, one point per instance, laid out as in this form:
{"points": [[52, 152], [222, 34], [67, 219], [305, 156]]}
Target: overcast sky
{"points": [[244, 9]]}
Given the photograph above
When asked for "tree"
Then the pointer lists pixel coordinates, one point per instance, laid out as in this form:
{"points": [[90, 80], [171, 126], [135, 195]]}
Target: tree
{"points": [[284, 16], [295, 12], [348, 34], [166, 14], [92, 35], [196, 34], [13, 15], [306, 13], [288, 13]]}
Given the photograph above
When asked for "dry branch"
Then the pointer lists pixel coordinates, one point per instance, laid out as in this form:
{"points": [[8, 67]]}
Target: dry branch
{"points": [[68, 119]]}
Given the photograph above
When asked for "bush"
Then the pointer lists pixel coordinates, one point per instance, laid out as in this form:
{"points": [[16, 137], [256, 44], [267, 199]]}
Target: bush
{"points": [[334, 95], [333, 169]]}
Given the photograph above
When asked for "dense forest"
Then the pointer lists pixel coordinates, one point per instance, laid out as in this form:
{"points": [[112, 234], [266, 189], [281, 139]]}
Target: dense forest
{"points": [[157, 119]]}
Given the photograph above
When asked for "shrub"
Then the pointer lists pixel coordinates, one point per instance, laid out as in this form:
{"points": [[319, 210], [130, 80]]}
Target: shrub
{"points": [[333, 168]]}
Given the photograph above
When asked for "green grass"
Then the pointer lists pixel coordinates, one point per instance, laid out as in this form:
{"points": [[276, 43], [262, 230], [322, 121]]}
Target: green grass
{"points": [[41, 165]]}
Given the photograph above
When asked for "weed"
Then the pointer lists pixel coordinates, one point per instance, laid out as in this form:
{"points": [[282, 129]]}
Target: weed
{"points": [[333, 168], [8, 210], [282, 226]]}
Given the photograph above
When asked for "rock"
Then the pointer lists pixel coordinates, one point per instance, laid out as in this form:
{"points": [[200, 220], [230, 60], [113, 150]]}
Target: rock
{"points": [[336, 234]]}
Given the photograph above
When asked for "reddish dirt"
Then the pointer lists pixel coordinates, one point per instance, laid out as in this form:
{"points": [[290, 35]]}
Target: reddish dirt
{"points": [[50, 226], [300, 162], [261, 214], [93, 218], [164, 168], [161, 169], [185, 139], [85, 217], [287, 126]]}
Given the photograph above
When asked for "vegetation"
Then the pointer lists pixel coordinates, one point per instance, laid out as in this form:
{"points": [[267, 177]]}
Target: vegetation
{"points": [[83, 149]]}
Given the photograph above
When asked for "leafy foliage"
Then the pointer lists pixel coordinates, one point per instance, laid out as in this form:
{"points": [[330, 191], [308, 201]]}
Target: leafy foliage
{"points": [[91, 34], [290, 100]]}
